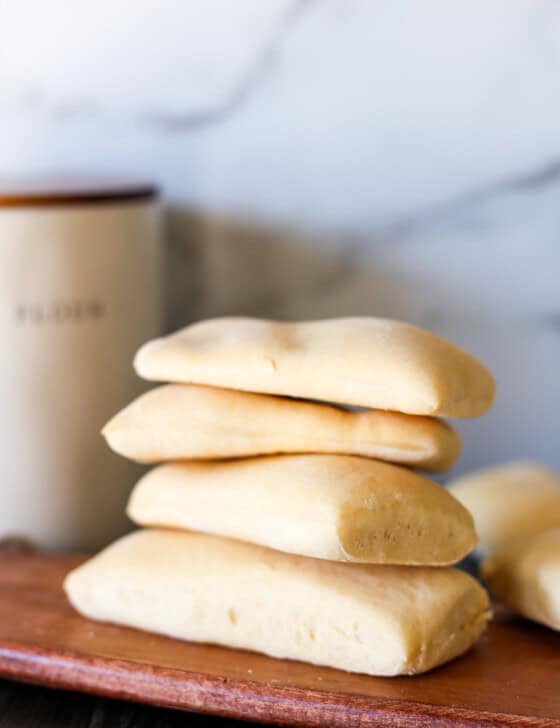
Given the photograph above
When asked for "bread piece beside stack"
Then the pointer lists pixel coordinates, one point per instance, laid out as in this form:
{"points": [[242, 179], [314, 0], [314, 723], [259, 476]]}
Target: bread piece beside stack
{"points": [[516, 508], [525, 575], [509, 501], [250, 552]]}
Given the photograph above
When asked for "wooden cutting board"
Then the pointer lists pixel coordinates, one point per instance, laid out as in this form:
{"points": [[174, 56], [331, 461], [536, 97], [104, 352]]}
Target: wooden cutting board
{"points": [[511, 678]]}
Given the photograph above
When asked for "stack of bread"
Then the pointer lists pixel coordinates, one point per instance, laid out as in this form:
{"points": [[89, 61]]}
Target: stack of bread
{"points": [[516, 508], [282, 524]]}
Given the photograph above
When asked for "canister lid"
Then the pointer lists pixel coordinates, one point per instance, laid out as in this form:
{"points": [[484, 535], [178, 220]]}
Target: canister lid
{"points": [[40, 191]]}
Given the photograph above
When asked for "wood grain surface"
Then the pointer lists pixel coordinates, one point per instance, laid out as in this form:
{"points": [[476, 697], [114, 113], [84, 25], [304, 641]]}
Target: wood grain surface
{"points": [[33, 706], [511, 678]]}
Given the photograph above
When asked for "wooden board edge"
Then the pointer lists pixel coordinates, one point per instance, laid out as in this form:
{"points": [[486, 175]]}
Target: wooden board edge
{"points": [[241, 700]]}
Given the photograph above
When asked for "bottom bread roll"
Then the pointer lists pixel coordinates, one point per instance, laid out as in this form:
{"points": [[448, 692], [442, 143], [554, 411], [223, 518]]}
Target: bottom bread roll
{"points": [[379, 620], [525, 575]]}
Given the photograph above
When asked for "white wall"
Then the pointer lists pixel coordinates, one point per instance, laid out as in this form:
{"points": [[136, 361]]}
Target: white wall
{"points": [[326, 157]]}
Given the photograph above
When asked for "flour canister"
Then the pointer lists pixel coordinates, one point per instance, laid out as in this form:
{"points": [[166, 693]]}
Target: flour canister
{"points": [[80, 281]]}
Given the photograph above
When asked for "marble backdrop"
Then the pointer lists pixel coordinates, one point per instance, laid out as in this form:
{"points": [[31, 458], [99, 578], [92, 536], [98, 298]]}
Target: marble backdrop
{"points": [[326, 157]]}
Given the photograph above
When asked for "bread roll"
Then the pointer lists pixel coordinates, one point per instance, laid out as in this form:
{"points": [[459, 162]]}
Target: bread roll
{"points": [[509, 502], [369, 619], [182, 421], [367, 362], [525, 575], [327, 506]]}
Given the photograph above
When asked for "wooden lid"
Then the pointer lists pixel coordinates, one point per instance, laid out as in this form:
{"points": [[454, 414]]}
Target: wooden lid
{"points": [[42, 191]]}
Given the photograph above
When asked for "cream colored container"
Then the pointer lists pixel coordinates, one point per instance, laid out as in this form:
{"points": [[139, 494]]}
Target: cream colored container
{"points": [[79, 292]]}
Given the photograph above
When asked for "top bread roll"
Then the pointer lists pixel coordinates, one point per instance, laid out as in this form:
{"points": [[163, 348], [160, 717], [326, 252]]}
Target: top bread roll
{"points": [[367, 362]]}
